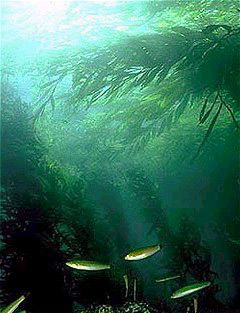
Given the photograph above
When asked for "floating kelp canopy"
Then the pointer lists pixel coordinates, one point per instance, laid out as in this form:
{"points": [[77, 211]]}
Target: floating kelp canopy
{"points": [[173, 69]]}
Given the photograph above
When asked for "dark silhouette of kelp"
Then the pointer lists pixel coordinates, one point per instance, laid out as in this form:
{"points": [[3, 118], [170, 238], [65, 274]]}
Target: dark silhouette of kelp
{"points": [[31, 259]]}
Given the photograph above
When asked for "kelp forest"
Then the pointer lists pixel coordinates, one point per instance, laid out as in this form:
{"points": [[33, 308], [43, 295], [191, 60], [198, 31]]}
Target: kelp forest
{"points": [[120, 155]]}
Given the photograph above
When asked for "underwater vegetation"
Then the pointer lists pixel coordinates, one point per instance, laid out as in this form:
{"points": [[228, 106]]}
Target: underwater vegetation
{"points": [[120, 157], [183, 60]]}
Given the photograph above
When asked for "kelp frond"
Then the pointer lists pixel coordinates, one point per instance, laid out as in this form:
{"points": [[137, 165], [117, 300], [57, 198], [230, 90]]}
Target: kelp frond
{"points": [[169, 69]]}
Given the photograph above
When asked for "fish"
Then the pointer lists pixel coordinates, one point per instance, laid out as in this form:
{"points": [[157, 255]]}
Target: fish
{"points": [[161, 280], [142, 253], [189, 289], [14, 305], [88, 265], [195, 305], [134, 289], [125, 277], [237, 242]]}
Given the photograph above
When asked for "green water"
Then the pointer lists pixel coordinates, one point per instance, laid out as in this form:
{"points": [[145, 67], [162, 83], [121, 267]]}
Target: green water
{"points": [[119, 131]]}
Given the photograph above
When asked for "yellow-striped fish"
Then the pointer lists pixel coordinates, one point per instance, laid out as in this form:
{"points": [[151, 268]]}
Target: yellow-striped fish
{"points": [[142, 253], [88, 265], [161, 280], [14, 305], [190, 289]]}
